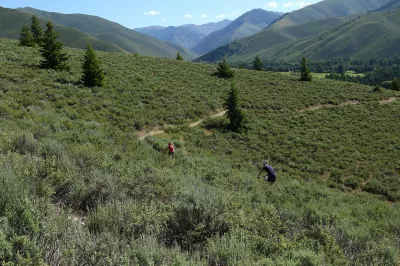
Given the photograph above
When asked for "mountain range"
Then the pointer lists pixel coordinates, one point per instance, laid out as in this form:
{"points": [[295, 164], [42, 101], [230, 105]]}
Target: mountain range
{"points": [[79, 29], [248, 24], [328, 8], [356, 29], [186, 35], [13, 20], [358, 36]]}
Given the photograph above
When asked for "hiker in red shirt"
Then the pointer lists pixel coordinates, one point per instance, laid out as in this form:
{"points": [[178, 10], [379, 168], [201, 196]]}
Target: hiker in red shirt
{"points": [[171, 150]]}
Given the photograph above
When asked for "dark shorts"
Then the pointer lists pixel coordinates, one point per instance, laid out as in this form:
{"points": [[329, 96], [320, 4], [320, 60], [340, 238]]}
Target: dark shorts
{"points": [[271, 179]]}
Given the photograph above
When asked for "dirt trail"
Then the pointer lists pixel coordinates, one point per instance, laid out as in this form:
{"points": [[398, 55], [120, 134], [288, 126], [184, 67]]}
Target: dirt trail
{"points": [[319, 106], [219, 114], [144, 134], [389, 100]]}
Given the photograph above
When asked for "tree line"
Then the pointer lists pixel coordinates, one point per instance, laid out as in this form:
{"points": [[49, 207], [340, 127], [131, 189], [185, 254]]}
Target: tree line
{"points": [[383, 72], [54, 56]]}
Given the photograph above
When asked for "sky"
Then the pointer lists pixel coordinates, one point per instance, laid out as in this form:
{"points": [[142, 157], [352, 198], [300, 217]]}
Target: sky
{"points": [[139, 13]]}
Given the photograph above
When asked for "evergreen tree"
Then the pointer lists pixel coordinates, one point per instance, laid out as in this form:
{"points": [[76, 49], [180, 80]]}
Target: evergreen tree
{"points": [[51, 50], [257, 64], [26, 37], [36, 30], [341, 70], [235, 114], [305, 71], [224, 71], [395, 84], [179, 57], [93, 74]]}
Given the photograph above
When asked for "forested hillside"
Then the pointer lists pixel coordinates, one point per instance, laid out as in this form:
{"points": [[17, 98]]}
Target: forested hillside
{"points": [[79, 187]]}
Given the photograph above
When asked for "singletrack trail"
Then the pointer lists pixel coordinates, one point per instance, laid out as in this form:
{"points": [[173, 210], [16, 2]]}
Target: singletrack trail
{"points": [[389, 100], [319, 106], [144, 134]]}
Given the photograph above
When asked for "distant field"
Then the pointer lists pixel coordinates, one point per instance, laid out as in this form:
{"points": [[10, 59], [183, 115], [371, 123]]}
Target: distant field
{"points": [[322, 75]]}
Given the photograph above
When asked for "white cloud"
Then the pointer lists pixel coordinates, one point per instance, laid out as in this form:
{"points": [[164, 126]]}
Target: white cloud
{"points": [[164, 19], [152, 13], [300, 4], [271, 5], [204, 16], [222, 16], [188, 16]]}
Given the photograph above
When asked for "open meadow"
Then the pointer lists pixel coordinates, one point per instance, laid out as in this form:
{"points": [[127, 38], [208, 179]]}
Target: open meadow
{"points": [[80, 187]]}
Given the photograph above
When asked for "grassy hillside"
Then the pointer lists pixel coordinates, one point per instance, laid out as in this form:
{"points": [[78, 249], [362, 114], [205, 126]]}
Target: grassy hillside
{"points": [[371, 36], [393, 4], [271, 37], [80, 188], [248, 24], [328, 8], [13, 20], [127, 39]]}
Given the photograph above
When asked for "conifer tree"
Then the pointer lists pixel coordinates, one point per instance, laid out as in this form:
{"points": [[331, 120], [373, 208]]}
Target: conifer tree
{"points": [[51, 50], [305, 71], [235, 114], [179, 57], [395, 84], [223, 70], [257, 64], [36, 30], [93, 74], [26, 37]]}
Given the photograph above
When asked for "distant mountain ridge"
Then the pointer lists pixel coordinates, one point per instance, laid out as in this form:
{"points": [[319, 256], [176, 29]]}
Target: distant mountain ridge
{"points": [[389, 6], [248, 24], [328, 8], [111, 32], [370, 36], [186, 35]]}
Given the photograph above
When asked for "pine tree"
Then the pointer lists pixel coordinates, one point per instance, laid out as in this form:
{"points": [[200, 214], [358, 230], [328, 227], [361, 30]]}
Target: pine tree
{"points": [[26, 38], [179, 57], [36, 30], [257, 64], [93, 74], [223, 70], [51, 50], [395, 84], [305, 71], [235, 114]]}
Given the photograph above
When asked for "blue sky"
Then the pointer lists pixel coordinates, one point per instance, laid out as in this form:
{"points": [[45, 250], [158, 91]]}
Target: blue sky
{"points": [[134, 14]]}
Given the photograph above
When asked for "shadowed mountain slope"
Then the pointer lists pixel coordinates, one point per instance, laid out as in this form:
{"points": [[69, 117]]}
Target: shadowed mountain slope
{"points": [[186, 35], [248, 24]]}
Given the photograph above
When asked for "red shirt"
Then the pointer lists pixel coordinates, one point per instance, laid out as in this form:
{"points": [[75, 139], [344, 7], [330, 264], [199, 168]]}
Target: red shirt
{"points": [[171, 148]]}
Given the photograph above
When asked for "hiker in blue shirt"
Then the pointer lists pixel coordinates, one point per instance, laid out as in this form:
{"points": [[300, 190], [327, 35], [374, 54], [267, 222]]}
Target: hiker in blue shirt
{"points": [[270, 173]]}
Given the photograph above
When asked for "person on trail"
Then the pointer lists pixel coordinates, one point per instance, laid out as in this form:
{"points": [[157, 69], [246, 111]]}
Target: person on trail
{"points": [[270, 173], [171, 150]]}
